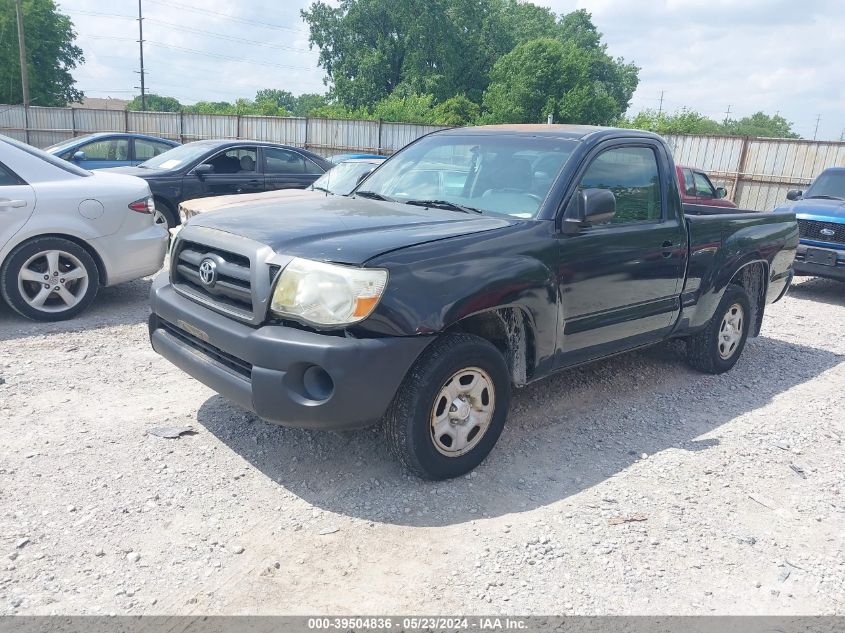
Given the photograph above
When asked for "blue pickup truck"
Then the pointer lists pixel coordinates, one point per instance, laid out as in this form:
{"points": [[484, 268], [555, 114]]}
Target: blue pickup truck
{"points": [[821, 224]]}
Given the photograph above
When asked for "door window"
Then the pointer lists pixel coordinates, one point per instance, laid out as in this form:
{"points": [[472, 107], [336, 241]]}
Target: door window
{"points": [[238, 160], [282, 161], [689, 182], [7, 178], [632, 175], [145, 150], [106, 149], [703, 187]]}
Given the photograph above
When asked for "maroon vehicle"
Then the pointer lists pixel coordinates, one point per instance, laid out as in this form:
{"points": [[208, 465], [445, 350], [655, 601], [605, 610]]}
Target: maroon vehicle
{"points": [[696, 188]]}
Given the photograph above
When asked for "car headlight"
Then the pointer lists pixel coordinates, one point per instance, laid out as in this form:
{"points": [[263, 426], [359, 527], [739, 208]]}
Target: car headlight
{"points": [[327, 294]]}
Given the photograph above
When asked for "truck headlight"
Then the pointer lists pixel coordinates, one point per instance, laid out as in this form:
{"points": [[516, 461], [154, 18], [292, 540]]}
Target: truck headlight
{"points": [[327, 294]]}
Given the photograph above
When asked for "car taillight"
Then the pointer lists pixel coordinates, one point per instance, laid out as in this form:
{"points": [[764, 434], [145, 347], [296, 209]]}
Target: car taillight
{"points": [[144, 205]]}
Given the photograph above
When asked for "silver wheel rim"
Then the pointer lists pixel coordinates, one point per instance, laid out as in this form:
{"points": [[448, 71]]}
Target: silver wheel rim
{"points": [[53, 281], [159, 218], [462, 412], [730, 331]]}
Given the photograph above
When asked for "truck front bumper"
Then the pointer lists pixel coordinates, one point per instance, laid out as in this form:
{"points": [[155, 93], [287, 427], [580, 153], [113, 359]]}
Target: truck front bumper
{"points": [[285, 375], [834, 268]]}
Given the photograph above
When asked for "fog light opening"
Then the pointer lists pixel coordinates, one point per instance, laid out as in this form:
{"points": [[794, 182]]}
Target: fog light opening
{"points": [[317, 383]]}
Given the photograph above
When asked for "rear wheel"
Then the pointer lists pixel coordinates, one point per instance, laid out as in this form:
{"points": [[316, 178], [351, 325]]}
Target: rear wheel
{"points": [[49, 279], [451, 407], [717, 348]]}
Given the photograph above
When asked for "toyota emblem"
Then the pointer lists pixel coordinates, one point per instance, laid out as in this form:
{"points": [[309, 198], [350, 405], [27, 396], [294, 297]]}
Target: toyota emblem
{"points": [[208, 272], [827, 232]]}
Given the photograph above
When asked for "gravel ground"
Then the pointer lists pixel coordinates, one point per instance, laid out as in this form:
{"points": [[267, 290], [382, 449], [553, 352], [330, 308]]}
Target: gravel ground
{"points": [[634, 485]]}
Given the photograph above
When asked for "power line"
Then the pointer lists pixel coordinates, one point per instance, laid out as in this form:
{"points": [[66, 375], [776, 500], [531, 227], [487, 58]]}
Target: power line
{"points": [[230, 18]]}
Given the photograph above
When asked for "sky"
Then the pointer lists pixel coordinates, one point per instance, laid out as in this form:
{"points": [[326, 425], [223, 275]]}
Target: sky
{"points": [[778, 56]]}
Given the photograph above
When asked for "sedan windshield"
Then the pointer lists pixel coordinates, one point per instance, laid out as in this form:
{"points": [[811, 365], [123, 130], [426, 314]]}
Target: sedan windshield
{"points": [[507, 175], [177, 157], [341, 180], [830, 184]]}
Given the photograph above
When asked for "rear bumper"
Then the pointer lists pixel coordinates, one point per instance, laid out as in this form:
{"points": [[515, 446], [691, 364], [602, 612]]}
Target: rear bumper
{"points": [[285, 375], [804, 268], [133, 255]]}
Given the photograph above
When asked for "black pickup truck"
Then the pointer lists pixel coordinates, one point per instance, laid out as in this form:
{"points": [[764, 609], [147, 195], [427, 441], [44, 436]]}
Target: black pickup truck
{"points": [[474, 260]]}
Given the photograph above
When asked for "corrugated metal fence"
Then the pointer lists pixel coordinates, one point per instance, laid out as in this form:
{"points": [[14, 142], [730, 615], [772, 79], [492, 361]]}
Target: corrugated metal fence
{"points": [[756, 172], [46, 126]]}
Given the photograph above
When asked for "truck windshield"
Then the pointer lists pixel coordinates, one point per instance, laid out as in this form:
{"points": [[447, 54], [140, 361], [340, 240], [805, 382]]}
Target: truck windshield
{"points": [[506, 175], [830, 184]]}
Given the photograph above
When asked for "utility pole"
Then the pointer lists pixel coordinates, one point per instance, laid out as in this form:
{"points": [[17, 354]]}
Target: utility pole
{"points": [[842, 136], [22, 51], [660, 109], [141, 47], [816, 131], [728, 114]]}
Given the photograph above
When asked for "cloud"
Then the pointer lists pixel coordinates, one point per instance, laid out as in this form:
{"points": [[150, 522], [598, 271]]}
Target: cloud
{"points": [[772, 55]]}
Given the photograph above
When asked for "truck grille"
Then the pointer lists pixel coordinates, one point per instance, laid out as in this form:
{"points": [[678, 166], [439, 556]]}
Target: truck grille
{"points": [[230, 288], [813, 230]]}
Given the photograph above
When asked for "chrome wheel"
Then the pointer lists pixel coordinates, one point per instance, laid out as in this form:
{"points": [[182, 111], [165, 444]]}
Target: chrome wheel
{"points": [[53, 281], [730, 331], [462, 411], [159, 218]]}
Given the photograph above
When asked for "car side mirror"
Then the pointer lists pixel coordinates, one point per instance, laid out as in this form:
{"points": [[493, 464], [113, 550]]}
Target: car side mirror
{"points": [[77, 156], [794, 194], [587, 207], [721, 192], [203, 169]]}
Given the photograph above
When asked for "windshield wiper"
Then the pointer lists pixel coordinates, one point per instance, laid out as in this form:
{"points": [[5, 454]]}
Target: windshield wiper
{"points": [[373, 195], [823, 197], [444, 204], [315, 188]]}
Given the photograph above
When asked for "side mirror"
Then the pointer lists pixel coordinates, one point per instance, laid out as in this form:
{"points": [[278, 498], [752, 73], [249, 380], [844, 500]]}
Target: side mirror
{"points": [[202, 169], [77, 156], [794, 194], [721, 192], [588, 206]]}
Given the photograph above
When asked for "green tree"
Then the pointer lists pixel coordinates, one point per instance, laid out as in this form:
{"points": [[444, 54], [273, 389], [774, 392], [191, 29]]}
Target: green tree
{"points": [[369, 48], [760, 124], [550, 76], [51, 54], [683, 121], [282, 98], [457, 110], [155, 103]]}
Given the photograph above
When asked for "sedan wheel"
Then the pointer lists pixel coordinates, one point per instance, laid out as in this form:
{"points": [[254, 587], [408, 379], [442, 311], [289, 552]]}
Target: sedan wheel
{"points": [[49, 279], [53, 281]]}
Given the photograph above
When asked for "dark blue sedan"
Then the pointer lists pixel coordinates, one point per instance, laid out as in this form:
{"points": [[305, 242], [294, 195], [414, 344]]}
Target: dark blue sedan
{"points": [[98, 151]]}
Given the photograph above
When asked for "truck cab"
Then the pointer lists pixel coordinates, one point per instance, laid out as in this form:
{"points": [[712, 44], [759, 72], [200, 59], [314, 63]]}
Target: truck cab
{"points": [[697, 188]]}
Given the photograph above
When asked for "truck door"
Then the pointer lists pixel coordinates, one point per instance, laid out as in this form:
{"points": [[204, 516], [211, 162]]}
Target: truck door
{"points": [[17, 202], [619, 282]]}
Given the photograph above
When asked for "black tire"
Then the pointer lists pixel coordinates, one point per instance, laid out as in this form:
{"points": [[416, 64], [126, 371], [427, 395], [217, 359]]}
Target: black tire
{"points": [[167, 210], [53, 305], [408, 420], [705, 349]]}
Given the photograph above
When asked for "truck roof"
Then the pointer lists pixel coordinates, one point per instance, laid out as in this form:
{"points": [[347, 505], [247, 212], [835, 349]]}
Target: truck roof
{"points": [[562, 131]]}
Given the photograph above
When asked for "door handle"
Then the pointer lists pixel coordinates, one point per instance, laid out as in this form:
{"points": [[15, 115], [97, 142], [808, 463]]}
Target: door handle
{"points": [[13, 204], [667, 245]]}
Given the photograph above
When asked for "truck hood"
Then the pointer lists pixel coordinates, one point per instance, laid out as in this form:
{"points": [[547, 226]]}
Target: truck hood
{"points": [[817, 209], [343, 230]]}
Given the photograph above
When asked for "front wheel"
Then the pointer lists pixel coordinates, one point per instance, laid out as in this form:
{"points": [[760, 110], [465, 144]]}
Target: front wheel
{"points": [[451, 407], [717, 348], [49, 279]]}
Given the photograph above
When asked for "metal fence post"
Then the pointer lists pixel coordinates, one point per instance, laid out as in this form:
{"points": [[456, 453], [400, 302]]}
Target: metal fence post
{"points": [[379, 136], [181, 126], [238, 127], [740, 168], [73, 122], [307, 129], [26, 123], [126, 120]]}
